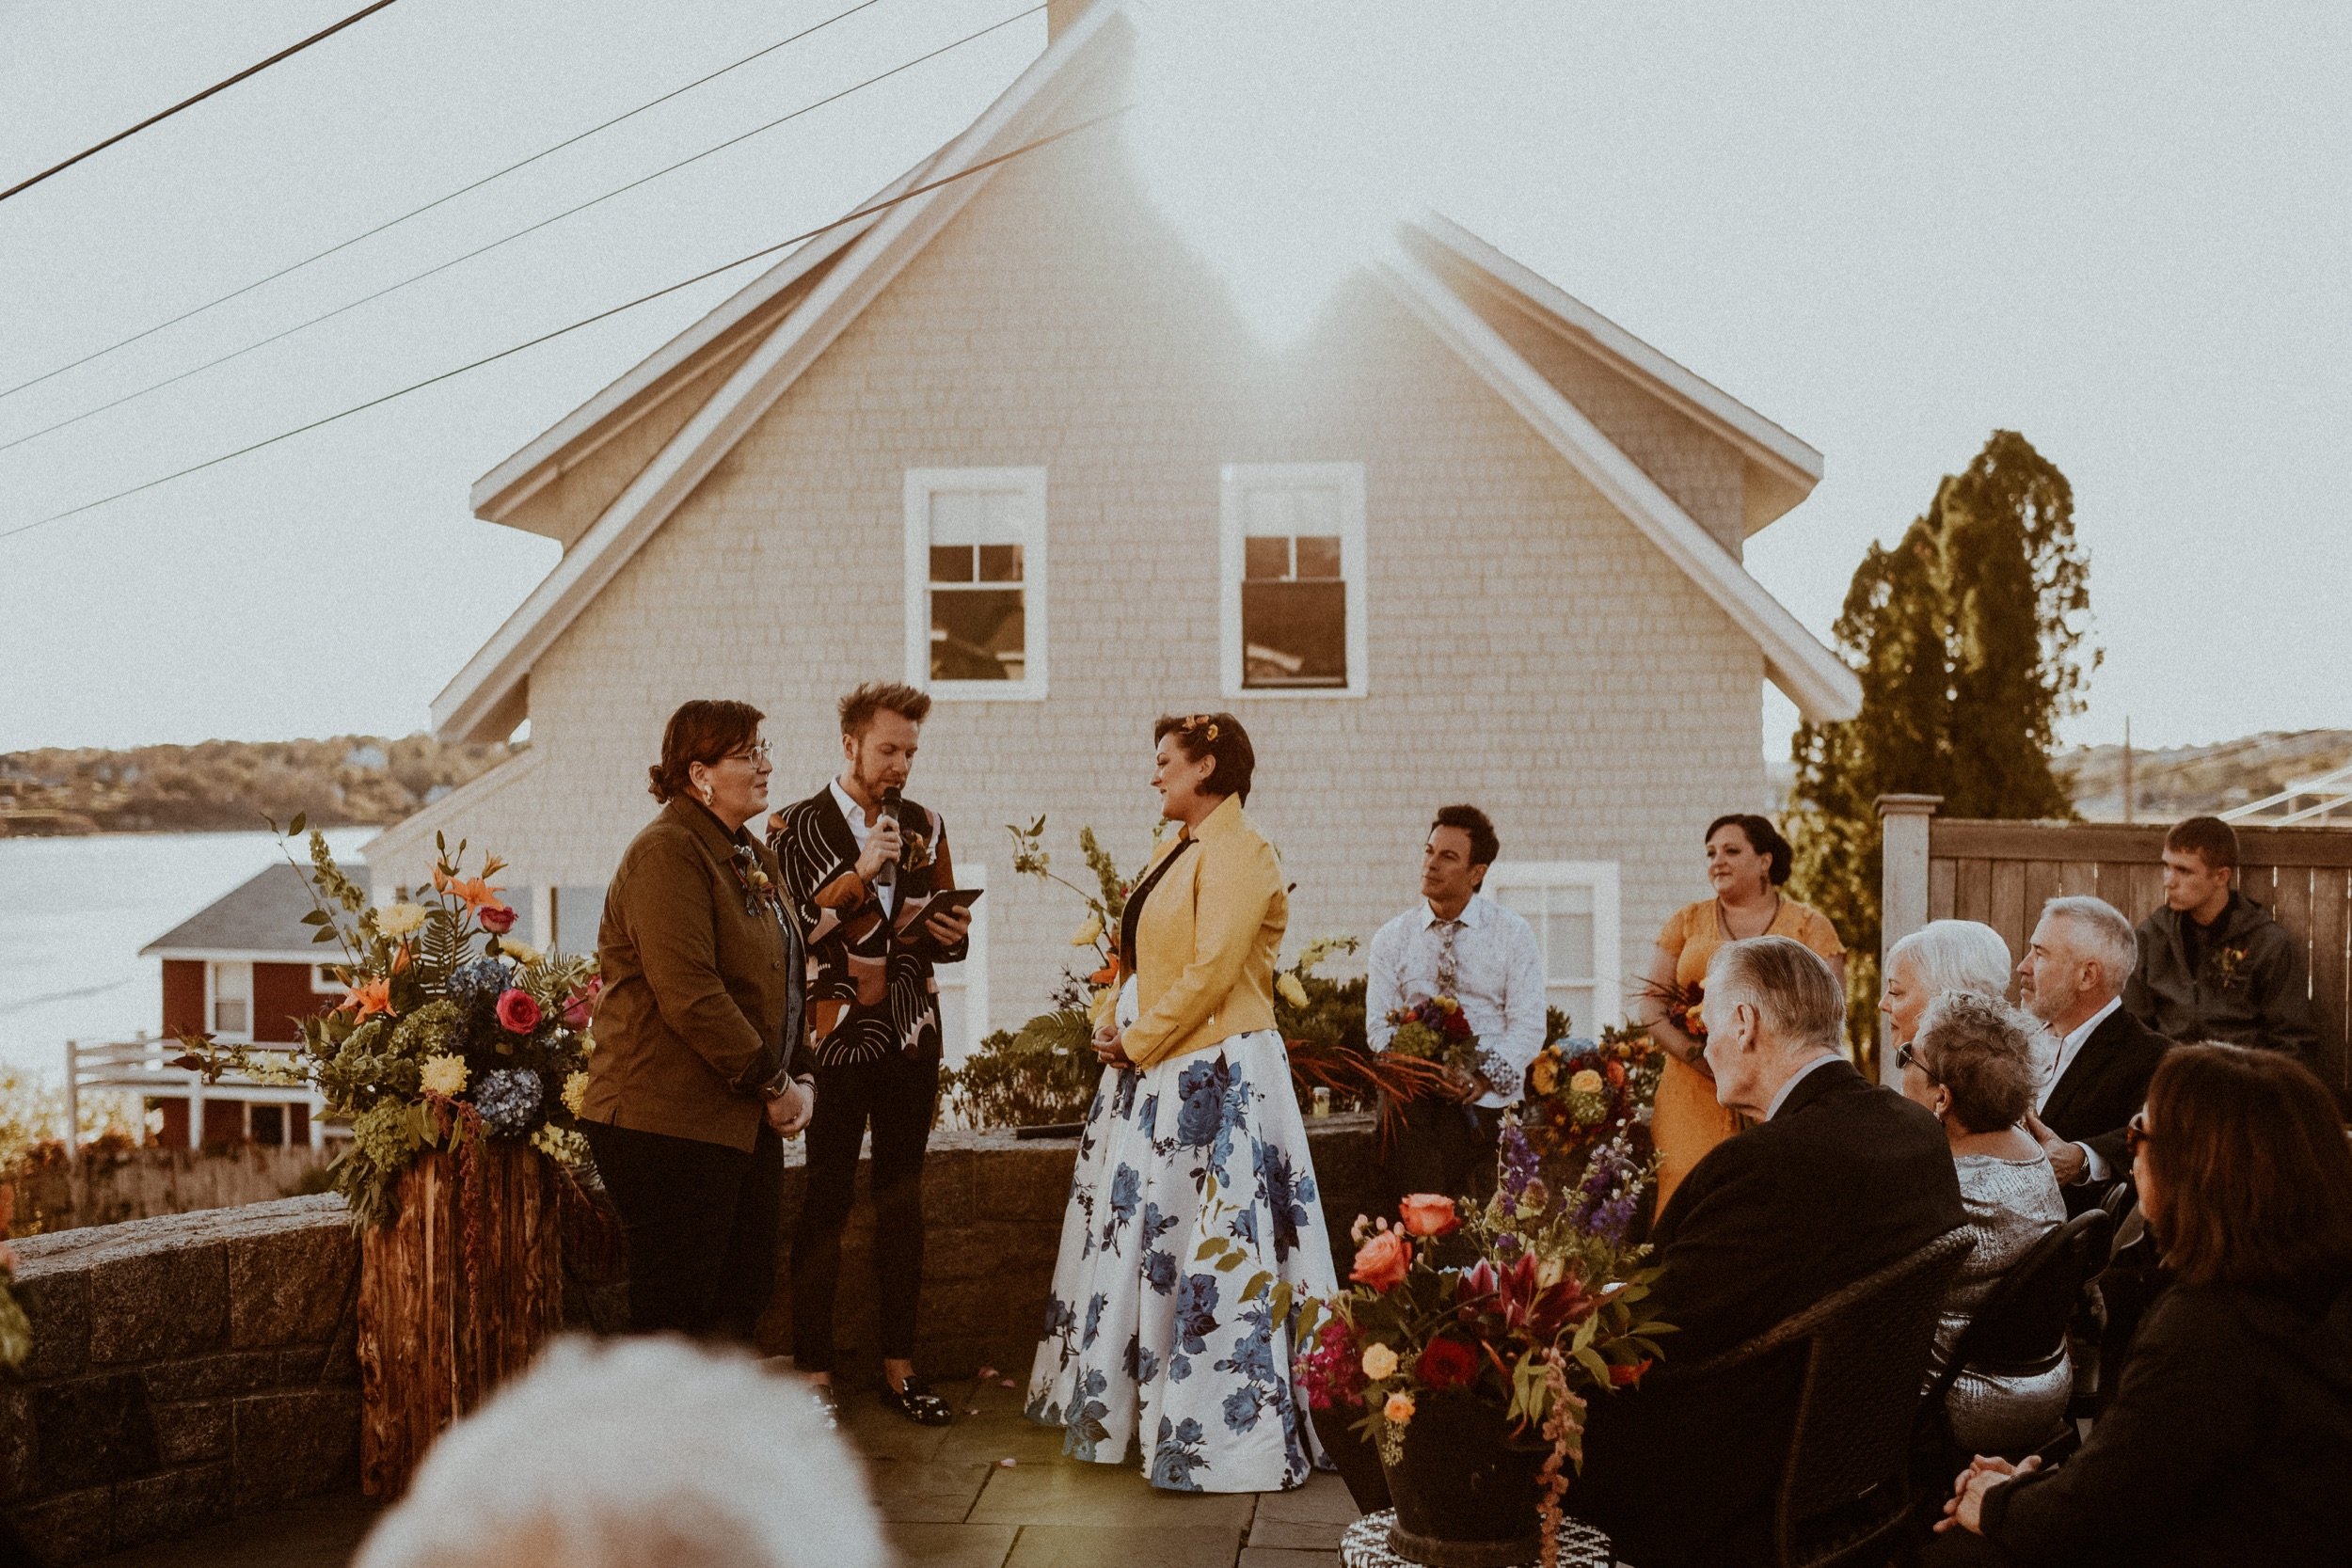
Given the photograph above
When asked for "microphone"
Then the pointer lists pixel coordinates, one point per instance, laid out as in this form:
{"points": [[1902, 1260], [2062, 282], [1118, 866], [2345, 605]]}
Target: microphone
{"points": [[888, 875]]}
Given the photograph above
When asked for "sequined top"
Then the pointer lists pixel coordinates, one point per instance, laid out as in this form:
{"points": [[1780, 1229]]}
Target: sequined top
{"points": [[2011, 1204]]}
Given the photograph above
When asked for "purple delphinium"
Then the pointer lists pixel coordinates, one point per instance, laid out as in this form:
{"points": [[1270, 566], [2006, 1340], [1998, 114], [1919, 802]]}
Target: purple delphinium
{"points": [[1611, 1191], [1516, 1161]]}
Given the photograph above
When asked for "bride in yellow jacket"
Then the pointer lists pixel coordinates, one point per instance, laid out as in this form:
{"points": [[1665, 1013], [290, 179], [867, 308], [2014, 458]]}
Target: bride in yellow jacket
{"points": [[1147, 1351]]}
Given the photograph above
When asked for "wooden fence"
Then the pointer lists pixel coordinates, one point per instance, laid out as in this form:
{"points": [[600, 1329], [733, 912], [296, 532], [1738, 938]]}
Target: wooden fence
{"points": [[2001, 873]]}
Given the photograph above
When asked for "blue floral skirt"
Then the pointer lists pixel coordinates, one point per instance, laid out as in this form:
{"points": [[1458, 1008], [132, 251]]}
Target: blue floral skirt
{"points": [[1143, 1340]]}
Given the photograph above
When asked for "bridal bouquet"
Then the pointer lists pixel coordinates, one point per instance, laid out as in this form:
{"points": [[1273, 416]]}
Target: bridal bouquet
{"points": [[452, 1030], [1436, 1030], [1581, 1093]]}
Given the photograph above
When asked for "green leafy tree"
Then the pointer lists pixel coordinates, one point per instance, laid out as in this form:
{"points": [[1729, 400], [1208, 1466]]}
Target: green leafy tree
{"points": [[1968, 637]]}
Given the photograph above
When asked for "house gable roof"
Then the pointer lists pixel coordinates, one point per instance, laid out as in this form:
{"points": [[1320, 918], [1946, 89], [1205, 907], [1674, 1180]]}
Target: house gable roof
{"points": [[487, 698], [261, 914]]}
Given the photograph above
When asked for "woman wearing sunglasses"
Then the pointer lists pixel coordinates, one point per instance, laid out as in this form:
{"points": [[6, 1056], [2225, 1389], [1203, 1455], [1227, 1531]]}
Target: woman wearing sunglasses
{"points": [[2229, 1439]]}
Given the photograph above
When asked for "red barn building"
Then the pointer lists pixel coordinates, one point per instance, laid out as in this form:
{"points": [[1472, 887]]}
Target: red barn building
{"points": [[244, 971]]}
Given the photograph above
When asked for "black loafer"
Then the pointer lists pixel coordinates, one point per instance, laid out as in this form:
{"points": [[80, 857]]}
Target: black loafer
{"points": [[917, 1403]]}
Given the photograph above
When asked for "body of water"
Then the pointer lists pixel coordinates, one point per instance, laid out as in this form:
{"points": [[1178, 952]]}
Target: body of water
{"points": [[75, 911]]}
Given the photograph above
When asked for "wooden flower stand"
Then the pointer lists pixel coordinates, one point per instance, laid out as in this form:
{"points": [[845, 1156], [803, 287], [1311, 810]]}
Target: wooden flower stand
{"points": [[432, 1345]]}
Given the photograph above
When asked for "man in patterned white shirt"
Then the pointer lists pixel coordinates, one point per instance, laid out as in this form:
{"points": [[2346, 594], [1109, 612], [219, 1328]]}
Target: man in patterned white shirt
{"points": [[1459, 943]]}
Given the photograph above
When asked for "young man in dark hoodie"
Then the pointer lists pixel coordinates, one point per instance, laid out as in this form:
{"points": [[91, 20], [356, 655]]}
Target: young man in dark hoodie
{"points": [[2212, 964]]}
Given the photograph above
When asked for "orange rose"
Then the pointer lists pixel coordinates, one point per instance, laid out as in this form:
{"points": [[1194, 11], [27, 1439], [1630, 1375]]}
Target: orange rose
{"points": [[1430, 1215], [1382, 1261]]}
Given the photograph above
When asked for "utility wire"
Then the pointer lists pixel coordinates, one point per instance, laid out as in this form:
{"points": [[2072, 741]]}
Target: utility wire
{"points": [[437, 201], [509, 239], [602, 315], [188, 102]]}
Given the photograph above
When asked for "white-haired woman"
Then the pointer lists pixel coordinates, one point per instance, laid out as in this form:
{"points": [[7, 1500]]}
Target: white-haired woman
{"points": [[1941, 956], [1971, 1061]]}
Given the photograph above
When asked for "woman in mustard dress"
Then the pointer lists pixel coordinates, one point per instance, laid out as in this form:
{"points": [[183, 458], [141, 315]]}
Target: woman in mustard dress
{"points": [[1747, 861]]}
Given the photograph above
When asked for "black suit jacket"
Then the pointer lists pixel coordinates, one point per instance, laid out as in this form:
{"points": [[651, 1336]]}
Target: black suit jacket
{"points": [[2104, 1086], [1847, 1178]]}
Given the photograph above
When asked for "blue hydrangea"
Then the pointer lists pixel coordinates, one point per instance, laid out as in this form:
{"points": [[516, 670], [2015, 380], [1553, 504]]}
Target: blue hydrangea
{"points": [[475, 987], [508, 1100]]}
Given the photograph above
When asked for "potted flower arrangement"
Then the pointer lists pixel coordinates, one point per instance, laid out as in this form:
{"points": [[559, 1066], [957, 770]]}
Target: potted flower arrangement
{"points": [[1581, 1093], [1469, 1378], [458, 1056]]}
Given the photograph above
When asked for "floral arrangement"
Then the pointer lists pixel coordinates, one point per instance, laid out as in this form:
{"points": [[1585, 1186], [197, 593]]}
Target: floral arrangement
{"points": [[1581, 1093], [1435, 1029], [1322, 1021], [453, 1032], [1685, 1006], [1547, 1311]]}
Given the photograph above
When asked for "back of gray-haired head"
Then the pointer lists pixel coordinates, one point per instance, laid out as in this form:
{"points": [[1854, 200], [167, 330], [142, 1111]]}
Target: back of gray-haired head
{"points": [[637, 1452], [1954, 955], [2099, 932], [1981, 1050], [1798, 997]]}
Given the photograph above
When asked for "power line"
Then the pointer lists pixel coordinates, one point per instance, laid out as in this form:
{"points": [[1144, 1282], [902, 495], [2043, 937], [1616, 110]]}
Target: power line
{"points": [[588, 321], [189, 103], [437, 201], [508, 239]]}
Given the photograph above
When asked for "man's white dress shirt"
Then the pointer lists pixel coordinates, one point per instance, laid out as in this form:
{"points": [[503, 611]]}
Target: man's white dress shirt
{"points": [[1816, 1065], [2095, 1168], [861, 830], [1498, 977]]}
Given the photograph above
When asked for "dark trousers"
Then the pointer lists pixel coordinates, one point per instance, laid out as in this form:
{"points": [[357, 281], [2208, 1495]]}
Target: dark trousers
{"points": [[1442, 1149], [701, 1219], [895, 1098]]}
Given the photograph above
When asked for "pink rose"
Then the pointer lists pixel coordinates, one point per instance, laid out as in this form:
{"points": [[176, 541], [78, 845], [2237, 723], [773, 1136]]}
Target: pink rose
{"points": [[518, 1013], [1382, 1261], [1430, 1215], [496, 919], [580, 1008]]}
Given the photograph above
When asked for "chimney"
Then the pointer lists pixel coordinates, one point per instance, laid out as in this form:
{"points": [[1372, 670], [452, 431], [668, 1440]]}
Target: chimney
{"points": [[1059, 14]]}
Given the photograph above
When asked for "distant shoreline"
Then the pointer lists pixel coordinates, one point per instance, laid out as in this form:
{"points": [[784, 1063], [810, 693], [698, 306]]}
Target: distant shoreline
{"points": [[81, 835]]}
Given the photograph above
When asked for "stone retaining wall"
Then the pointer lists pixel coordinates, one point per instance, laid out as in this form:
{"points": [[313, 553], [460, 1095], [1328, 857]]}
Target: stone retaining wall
{"points": [[184, 1368], [192, 1367]]}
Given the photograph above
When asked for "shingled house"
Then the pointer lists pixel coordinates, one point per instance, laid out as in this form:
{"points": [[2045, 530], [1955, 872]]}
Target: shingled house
{"points": [[1012, 439]]}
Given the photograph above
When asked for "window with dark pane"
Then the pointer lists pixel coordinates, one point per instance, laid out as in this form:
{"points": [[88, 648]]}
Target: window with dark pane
{"points": [[979, 623], [1293, 590]]}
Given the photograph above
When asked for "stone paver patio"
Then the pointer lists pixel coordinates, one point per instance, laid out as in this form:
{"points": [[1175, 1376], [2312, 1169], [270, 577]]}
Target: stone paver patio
{"points": [[946, 1500]]}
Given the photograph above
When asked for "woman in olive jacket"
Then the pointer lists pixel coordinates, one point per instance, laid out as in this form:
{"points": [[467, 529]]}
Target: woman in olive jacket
{"points": [[2229, 1438], [693, 1081]]}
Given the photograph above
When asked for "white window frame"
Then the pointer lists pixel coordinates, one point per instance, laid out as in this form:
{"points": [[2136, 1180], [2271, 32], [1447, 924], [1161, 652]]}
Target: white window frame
{"points": [[970, 976], [211, 971], [1608, 926], [1236, 480], [921, 485], [322, 982]]}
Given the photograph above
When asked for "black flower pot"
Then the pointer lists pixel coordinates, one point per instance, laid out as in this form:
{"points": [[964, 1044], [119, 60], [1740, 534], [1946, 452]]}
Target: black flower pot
{"points": [[1465, 1496], [1357, 1460]]}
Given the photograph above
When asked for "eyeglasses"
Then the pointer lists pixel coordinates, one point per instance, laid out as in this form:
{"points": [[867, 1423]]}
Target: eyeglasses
{"points": [[761, 751], [2136, 1134], [1908, 1055]]}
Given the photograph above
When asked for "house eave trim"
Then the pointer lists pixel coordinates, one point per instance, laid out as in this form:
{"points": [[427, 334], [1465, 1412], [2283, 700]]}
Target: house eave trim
{"points": [[1813, 678]]}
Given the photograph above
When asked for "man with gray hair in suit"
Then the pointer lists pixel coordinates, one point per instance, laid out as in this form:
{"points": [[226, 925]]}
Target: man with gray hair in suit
{"points": [[1839, 1178], [2071, 979]]}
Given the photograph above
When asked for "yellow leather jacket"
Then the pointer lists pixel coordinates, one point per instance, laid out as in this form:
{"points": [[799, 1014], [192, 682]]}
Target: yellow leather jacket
{"points": [[1206, 941]]}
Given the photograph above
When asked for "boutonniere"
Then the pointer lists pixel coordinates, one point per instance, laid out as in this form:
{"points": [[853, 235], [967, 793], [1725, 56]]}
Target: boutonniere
{"points": [[914, 853], [2231, 967], [758, 887]]}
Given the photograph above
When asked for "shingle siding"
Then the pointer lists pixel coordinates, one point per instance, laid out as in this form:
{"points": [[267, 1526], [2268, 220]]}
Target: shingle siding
{"points": [[1531, 651]]}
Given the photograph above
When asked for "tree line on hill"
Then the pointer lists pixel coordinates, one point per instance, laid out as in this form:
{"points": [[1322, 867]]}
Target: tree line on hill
{"points": [[346, 781]]}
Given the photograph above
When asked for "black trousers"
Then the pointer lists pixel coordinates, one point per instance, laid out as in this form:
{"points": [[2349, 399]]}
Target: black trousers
{"points": [[1443, 1148], [895, 1097], [701, 1220]]}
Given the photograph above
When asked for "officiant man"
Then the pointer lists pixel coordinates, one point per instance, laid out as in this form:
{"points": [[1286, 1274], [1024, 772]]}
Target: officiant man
{"points": [[861, 863], [1456, 941]]}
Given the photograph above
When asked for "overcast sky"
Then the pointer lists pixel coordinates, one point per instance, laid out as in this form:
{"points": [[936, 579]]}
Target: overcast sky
{"points": [[2121, 228]]}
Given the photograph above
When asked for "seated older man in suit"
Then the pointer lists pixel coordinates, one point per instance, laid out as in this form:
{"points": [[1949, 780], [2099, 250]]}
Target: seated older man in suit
{"points": [[2071, 979], [1840, 1179]]}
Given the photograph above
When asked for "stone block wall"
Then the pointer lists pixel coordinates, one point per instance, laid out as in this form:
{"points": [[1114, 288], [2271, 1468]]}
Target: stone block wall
{"points": [[198, 1365], [184, 1368]]}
